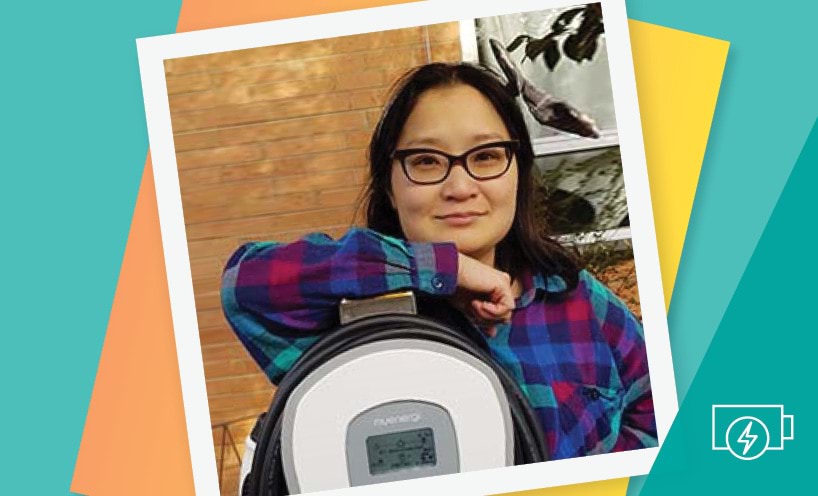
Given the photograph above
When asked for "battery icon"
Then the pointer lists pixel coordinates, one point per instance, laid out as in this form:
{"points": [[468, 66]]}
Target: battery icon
{"points": [[748, 431]]}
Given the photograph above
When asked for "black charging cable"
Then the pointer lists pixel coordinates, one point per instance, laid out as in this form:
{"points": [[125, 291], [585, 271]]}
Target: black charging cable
{"points": [[266, 476]]}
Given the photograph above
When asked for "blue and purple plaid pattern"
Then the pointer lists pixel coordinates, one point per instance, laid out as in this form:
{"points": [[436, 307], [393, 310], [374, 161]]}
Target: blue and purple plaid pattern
{"points": [[581, 359]]}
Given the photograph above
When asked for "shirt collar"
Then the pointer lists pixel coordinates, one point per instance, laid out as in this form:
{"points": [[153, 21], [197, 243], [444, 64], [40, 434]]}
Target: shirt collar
{"points": [[535, 286]]}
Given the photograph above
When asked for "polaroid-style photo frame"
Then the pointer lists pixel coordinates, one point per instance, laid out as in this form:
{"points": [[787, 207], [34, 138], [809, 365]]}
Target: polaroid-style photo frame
{"points": [[259, 132]]}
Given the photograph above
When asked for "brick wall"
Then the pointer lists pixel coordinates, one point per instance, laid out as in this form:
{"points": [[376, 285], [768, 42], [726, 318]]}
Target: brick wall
{"points": [[270, 144]]}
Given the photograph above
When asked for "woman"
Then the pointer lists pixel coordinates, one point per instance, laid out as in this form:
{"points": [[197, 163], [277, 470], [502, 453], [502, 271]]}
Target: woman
{"points": [[449, 215]]}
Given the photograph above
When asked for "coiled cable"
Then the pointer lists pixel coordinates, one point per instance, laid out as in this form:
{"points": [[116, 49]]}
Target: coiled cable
{"points": [[266, 477]]}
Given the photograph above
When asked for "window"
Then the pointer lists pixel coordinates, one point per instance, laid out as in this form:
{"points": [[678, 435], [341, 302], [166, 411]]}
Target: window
{"points": [[582, 176]]}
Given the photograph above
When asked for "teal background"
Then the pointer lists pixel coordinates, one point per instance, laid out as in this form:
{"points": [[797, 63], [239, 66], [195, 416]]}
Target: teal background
{"points": [[74, 143], [74, 146], [760, 354], [767, 106]]}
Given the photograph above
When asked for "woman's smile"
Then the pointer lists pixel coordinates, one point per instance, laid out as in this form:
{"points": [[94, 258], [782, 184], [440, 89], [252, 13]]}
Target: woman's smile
{"points": [[460, 219]]}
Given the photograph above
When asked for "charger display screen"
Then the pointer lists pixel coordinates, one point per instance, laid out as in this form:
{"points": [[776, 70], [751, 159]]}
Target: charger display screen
{"points": [[401, 450]]}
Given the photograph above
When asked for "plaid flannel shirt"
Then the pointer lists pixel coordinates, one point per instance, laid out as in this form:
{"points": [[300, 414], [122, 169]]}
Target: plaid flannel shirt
{"points": [[580, 360]]}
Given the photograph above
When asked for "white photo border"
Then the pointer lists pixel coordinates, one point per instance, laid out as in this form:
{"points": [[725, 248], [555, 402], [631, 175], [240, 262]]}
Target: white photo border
{"points": [[155, 50]]}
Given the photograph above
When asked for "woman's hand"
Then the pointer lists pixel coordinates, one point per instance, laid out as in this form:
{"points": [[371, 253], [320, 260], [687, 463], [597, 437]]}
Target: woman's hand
{"points": [[483, 293]]}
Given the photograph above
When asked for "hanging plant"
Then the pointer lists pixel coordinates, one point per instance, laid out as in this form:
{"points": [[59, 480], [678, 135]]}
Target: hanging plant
{"points": [[576, 40]]}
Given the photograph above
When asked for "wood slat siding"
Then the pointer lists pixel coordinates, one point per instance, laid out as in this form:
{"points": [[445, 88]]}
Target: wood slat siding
{"points": [[271, 145]]}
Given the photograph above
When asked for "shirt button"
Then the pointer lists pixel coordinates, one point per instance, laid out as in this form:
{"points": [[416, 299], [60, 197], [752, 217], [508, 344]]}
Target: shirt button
{"points": [[593, 394], [437, 283]]}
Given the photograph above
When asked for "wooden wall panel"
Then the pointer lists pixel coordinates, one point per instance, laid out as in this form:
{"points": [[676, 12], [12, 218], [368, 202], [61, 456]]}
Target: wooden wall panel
{"points": [[271, 145]]}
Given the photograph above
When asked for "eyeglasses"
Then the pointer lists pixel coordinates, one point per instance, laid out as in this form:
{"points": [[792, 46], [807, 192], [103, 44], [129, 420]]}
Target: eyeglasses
{"points": [[484, 162]]}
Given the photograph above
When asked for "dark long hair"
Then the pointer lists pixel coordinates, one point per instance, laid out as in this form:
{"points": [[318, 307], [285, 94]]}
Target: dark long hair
{"points": [[525, 245]]}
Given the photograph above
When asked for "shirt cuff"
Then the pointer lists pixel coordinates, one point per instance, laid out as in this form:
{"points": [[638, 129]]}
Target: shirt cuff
{"points": [[435, 266]]}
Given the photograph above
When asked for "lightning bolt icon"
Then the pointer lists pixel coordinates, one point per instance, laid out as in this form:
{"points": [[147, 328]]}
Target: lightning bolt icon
{"points": [[747, 438]]}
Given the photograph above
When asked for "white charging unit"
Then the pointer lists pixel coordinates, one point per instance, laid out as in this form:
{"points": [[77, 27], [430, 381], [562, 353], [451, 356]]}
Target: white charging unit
{"points": [[393, 410]]}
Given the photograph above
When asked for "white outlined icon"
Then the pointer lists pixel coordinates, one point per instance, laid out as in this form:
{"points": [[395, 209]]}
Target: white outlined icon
{"points": [[749, 431]]}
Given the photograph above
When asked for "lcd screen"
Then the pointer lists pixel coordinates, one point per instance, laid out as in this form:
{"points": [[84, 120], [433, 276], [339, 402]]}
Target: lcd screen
{"points": [[401, 450]]}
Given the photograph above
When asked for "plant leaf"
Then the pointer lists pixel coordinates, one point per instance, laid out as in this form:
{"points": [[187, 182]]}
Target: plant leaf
{"points": [[535, 47], [517, 42], [578, 47], [565, 18], [551, 55]]}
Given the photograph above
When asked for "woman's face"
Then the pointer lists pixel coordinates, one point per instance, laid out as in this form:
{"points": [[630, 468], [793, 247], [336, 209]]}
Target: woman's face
{"points": [[475, 214]]}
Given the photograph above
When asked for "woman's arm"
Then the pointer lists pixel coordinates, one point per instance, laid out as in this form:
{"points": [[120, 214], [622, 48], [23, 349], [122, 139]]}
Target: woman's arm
{"points": [[624, 333], [277, 297]]}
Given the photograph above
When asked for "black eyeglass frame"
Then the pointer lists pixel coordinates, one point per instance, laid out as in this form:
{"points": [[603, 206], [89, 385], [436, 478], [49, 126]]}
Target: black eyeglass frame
{"points": [[511, 147]]}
